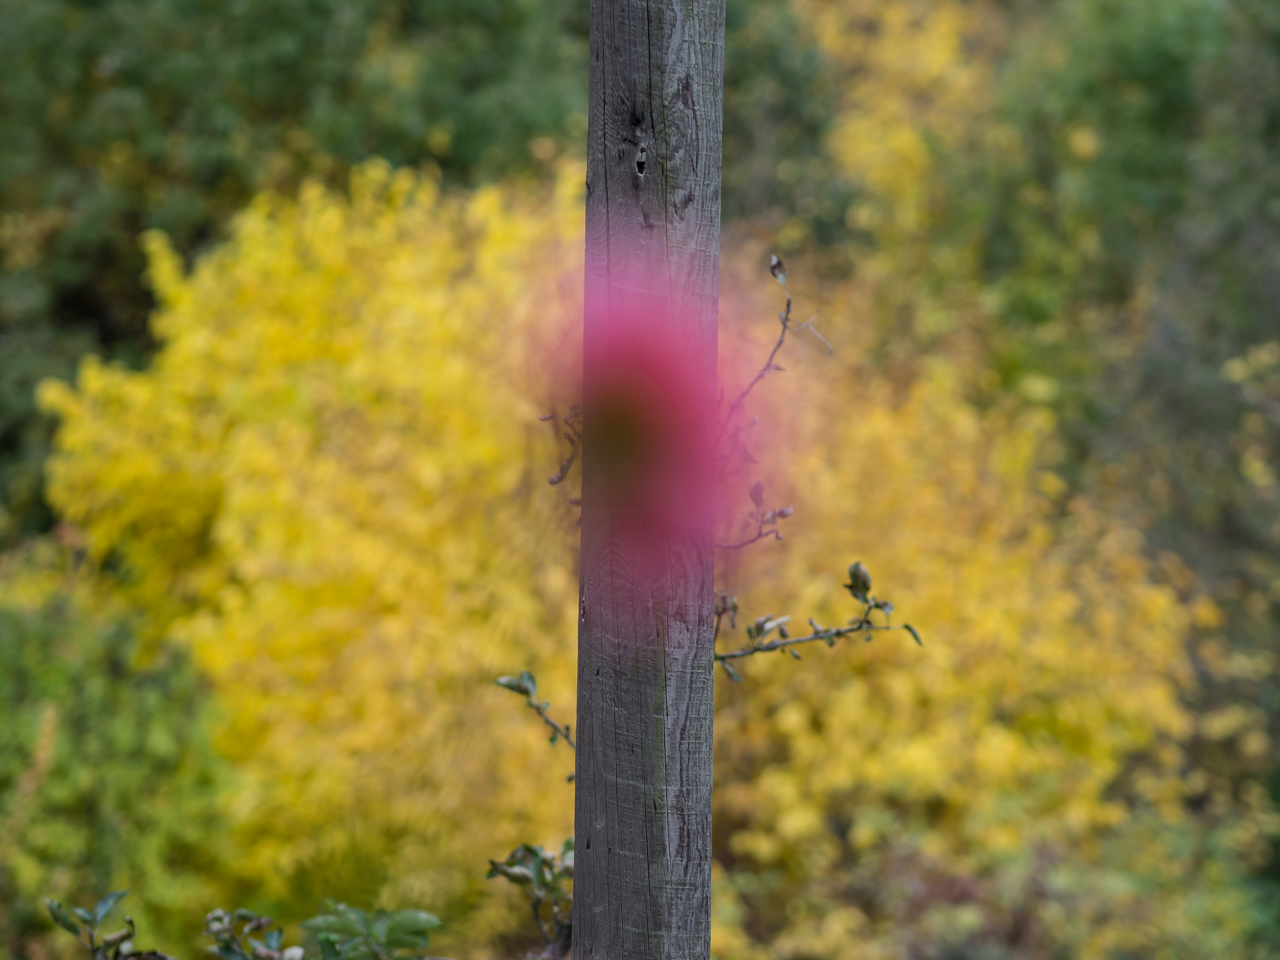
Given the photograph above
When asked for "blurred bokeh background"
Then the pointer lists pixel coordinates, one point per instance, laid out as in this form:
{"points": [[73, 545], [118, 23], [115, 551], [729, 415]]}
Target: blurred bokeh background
{"points": [[284, 287]]}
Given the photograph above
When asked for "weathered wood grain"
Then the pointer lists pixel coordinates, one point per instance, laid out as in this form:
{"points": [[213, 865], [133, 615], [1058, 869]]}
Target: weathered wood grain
{"points": [[643, 808]]}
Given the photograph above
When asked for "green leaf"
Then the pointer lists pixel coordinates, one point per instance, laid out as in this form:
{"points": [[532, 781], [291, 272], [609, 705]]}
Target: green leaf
{"points": [[859, 584], [362, 918], [411, 922], [772, 625], [408, 941], [85, 916], [107, 904], [274, 938], [358, 949], [516, 874], [120, 936], [515, 684], [915, 635], [61, 917], [342, 926]]}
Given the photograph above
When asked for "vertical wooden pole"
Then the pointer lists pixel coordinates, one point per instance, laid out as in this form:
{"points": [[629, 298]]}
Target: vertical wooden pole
{"points": [[645, 644]]}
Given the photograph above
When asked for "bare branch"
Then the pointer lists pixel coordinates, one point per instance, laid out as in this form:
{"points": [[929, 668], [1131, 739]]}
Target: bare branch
{"points": [[735, 408], [761, 534], [563, 473], [573, 420], [766, 521]]}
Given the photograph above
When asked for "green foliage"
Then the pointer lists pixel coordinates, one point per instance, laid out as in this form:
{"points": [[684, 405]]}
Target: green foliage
{"points": [[1083, 199], [232, 944], [1129, 252], [546, 877], [31, 352], [112, 946], [106, 776], [169, 114], [780, 97], [1104, 102], [527, 685], [92, 920], [1102, 231], [131, 115], [348, 933], [343, 933]]}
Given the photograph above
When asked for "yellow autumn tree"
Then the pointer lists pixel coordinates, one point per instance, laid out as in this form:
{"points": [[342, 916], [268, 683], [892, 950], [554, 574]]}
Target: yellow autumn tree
{"points": [[331, 485], [916, 95], [1018, 786], [911, 71]]}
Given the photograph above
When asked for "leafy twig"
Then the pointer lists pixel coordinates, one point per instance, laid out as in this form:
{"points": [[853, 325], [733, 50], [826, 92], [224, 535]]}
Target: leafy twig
{"points": [[113, 946], [527, 684], [766, 521], [348, 933], [859, 587], [344, 933], [544, 874], [230, 944]]}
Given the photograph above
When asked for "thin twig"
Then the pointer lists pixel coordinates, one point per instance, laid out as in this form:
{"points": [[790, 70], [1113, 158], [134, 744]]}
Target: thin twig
{"points": [[828, 636], [761, 534], [563, 473], [726, 606], [769, 366], [766, 521], [526, 684], [562, 731], [736, 407]]}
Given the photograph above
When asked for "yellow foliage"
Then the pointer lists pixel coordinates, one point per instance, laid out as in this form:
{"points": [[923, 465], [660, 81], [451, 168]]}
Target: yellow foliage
{"points": [[913, 70], [1021, 761], [331, 483]]}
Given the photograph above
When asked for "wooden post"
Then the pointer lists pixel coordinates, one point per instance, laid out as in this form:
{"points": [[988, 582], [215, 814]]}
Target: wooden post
{"points": [[645, 635]]}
